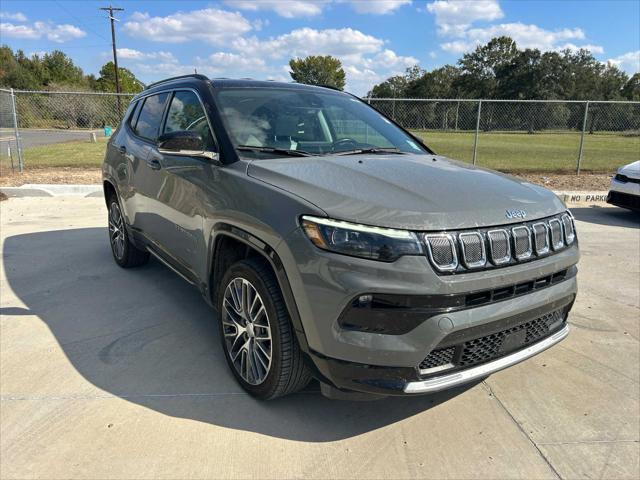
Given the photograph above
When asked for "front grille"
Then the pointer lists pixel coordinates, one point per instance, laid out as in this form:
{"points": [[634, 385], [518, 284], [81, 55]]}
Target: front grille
{"points": [[625, 200], [487, 248], [522, 242], [476, 351], [541, 238], [442, 251], [438, 358], [567, 226], [556, 234], [473, 253], [499, 246]]}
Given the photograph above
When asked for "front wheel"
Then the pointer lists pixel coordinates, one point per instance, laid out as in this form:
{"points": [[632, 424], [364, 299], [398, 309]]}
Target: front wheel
{"points": [[257, 336], [125, 253]]}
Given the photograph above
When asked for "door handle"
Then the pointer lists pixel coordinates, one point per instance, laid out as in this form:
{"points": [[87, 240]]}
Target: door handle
{"points": [[154, 164], [122, 149]]}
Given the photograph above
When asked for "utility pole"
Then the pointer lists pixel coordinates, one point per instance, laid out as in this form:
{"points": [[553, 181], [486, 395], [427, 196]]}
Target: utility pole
{"points": [[112, 9]]}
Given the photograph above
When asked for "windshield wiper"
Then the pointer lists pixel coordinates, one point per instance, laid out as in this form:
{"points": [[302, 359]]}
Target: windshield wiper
{"points": [[279, 151], [358, 151]]}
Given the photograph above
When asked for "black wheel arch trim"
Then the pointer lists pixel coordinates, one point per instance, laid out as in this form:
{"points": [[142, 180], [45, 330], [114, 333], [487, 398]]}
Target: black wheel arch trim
{"points": [[265, 250]]}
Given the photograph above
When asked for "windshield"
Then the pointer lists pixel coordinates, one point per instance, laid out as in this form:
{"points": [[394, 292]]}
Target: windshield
{"points": [[268, 122]]}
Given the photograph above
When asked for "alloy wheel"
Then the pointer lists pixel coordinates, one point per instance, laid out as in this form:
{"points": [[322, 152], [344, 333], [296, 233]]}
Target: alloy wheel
{"points": [[247, 332], [116, 230]]}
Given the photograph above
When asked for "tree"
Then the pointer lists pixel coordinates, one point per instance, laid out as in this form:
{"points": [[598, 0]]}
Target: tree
{"points": [[14, 75], [107, 80], [318, 70], [58, 69], [631, 90], [478, 77]]}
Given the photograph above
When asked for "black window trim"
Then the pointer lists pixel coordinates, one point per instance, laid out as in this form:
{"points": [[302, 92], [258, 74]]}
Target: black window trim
{"points": [[164, 109], [171, 92]]}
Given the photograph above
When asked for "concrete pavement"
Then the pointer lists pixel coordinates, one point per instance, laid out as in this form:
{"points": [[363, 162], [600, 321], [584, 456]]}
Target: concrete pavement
{"points": [[111, 373]]}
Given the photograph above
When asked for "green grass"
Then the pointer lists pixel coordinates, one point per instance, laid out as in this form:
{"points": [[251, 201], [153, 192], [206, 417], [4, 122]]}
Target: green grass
{"points": [[510, 152], [69, 154], [539, 152]]}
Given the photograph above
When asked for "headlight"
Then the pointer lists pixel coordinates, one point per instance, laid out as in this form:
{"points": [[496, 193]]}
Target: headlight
{"points": [[384, 244]]}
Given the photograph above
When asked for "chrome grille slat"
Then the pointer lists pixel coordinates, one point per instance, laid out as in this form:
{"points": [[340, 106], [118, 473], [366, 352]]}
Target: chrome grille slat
{"points": [[555, 229], [522, 242], [567, 227], [473, 250], [541, 237], [442, 251], [499, 246]]}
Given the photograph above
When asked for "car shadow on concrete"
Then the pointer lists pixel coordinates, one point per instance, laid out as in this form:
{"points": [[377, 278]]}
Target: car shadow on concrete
{"points": [[148, 337], [612, 216]]}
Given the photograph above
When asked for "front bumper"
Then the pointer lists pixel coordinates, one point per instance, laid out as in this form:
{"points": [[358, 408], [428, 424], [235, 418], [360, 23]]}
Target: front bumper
{"points": [[462, 377], [479, 344], [367, 359], [624, 194]]}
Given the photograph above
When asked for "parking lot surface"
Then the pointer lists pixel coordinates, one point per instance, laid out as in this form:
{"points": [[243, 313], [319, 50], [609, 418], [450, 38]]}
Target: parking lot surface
{"points": [[111, 373], [38, 137]]}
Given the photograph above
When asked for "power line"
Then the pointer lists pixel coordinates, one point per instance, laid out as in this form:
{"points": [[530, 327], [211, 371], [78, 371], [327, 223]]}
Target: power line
{"points": [[112, 9], [82, 22]]}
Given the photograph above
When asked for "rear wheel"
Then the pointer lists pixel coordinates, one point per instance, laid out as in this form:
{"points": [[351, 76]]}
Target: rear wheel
{"points": [[125, 253], [257, 336]]}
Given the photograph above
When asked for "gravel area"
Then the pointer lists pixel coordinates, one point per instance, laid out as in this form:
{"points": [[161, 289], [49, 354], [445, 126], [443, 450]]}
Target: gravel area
{"points": [[589, 182], [72, 176]]}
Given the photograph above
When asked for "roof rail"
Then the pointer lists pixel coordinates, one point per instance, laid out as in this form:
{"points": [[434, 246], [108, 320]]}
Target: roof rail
{"points": [[190, 75], [332, 87]]}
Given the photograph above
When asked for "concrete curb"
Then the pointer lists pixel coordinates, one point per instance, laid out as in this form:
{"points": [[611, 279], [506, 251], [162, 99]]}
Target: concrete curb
{"points": [[582, 197], [45, 190]]}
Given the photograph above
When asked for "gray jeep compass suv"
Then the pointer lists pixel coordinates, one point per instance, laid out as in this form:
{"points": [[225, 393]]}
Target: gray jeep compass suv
{"points": [[333, 243]]}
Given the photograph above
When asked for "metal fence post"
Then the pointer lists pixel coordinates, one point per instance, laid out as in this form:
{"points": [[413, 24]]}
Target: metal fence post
{"points": [[457, 111], [584, 128], [475, 142], [16, 132]]}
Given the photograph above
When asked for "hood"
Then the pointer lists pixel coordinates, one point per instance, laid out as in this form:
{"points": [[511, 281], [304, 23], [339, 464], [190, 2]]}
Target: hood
{"points": [[632, 170], [420, 192]]}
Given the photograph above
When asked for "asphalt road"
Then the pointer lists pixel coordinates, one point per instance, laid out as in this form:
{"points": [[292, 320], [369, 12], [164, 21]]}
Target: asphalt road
{"points": [[36, 138], [111, 373]]}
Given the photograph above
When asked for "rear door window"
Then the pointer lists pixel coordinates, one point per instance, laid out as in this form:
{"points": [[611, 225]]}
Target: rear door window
{"points": [[150, 116]]}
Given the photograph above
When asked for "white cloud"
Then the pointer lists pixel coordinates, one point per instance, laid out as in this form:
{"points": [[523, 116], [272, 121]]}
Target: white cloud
{"points": [[629, 62], [378, 7], [52, 32], [453, 18], [596, 49], [455, 21], [284, 8], [211, 25], [226, 60], [526, 36], [131, 54], [18, 31], [309, 41], [15, 16], [310, 8]]}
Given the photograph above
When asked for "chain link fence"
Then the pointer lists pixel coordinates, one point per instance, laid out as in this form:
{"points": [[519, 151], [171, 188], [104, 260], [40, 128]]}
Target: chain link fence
{"points": [[56, 128], [525, 135], [39, 129]]}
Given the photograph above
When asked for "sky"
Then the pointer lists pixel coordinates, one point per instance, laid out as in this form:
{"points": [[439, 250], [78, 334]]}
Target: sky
{"points": [[374, 39]]}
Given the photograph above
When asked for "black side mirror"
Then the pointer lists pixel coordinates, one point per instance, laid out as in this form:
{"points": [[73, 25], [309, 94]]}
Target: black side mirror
{"points": [[186, 143]]}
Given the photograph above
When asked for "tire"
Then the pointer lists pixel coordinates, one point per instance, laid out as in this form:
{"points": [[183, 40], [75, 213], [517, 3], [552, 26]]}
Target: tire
{"points": [[263, 378], [125, 253]]}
